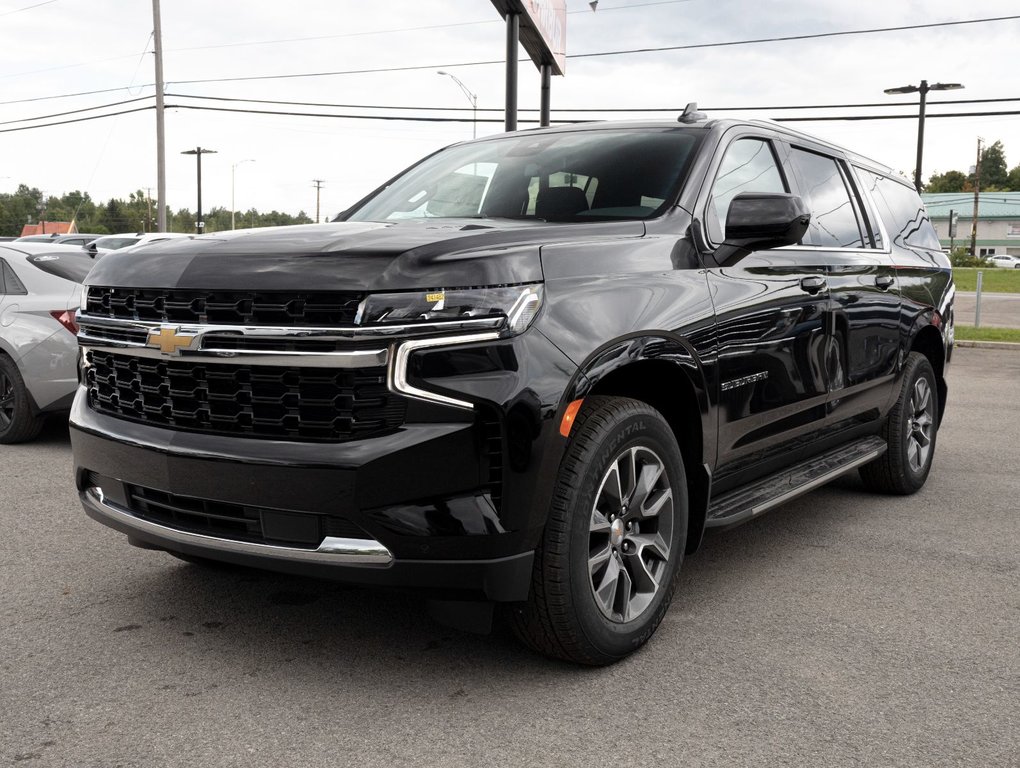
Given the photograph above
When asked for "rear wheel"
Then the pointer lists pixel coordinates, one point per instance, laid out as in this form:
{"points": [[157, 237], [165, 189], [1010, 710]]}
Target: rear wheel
{"points": [[614, 540], [18, 422], [909, 431]]}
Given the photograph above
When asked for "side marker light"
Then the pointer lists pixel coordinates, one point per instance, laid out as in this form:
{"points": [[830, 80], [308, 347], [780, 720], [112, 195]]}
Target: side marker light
{"points": [[568, 417]]}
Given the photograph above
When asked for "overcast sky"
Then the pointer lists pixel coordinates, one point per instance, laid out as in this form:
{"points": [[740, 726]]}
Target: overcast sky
{"points": [[67, 46]]}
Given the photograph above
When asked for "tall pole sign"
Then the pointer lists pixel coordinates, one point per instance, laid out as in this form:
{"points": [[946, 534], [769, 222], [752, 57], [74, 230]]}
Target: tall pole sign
{"points": [[541, 27]]}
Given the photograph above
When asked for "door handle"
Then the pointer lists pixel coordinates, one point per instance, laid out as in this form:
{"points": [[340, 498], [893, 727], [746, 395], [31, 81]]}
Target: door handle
{"points": [[812, 284], [885, 282]]}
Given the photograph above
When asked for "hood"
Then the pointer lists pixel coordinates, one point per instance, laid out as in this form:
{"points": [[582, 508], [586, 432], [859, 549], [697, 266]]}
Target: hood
{"points": [[352, 256]]}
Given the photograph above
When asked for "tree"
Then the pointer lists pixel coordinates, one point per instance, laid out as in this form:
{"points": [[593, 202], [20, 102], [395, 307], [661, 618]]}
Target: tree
{"points": [[950, 181], [1013, 180], [993, 168]]}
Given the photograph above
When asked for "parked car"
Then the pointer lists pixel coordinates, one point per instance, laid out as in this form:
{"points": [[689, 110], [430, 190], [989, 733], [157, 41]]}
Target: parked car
{"points": [[1009, 262], [531, 370], [40, 288], [78, 239], [104, 245]]}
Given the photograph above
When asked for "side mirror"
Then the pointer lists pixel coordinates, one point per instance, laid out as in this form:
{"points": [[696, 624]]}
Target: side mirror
{"points": [[757, 221]]}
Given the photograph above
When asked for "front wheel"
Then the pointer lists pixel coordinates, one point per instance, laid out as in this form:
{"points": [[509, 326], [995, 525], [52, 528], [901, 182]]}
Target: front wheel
{"points": [[608, 563], [909, 431]]}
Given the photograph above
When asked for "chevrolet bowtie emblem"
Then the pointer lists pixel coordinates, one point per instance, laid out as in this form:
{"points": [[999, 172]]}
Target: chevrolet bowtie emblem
{"points": [[170, 340]]}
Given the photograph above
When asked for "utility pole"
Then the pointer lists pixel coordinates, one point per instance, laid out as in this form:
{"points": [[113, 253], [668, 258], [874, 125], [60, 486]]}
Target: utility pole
{"points": [[157, 37], [318, 190], [148, 206], [977, 191]]}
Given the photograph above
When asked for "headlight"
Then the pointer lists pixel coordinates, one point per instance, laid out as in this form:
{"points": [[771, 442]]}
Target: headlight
{"points": [[518, 304]]}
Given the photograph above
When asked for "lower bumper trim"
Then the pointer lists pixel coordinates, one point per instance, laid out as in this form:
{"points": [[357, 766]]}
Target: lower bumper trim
{"points": [[332, 550]]}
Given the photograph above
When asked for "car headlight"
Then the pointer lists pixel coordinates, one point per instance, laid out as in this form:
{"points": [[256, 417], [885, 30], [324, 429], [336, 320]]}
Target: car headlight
{"points": [[518, 304]]}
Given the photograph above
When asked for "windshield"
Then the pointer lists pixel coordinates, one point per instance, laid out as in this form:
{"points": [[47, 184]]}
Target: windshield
{"points": [[581, 176], [113, 243]]}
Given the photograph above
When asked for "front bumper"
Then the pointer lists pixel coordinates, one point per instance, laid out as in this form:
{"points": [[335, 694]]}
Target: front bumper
{"points": [[415, 499]]}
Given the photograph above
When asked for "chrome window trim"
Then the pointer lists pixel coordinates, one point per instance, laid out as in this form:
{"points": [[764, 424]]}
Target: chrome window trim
{"points": [[332, 550], [397, 378]]}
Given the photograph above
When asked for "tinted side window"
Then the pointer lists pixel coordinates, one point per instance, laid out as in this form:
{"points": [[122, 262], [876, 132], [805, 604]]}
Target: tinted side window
{"points": [[833, 220], [905, 217], [11, 283], [69, 266], [747, 166]]}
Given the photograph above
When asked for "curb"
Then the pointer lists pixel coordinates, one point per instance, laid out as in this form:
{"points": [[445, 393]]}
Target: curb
{"points": [[988, 344]]}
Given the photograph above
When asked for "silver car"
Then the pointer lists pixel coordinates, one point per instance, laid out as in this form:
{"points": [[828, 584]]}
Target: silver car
{"points": [[40, 288]]}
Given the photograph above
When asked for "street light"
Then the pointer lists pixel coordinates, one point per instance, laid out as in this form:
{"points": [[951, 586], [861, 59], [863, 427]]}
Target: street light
{"points": [[198, 152], [922, 89], [232, 169], [472, 97]]}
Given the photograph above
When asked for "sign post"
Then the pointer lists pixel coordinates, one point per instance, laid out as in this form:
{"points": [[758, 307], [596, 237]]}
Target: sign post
{"points": [[541, 27]]}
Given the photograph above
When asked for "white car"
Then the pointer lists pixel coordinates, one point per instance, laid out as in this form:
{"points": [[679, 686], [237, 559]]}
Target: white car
{"points": [[109, 243], [1009, 262], [40, 287]]}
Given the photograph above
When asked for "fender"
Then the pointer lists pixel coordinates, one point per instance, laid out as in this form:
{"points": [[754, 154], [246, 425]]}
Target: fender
{"points": [[649, 365]]}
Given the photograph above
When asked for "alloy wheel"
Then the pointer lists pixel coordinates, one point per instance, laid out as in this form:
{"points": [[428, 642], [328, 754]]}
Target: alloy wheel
{"points": [[629, 534], [7, 402], [919, 425]]}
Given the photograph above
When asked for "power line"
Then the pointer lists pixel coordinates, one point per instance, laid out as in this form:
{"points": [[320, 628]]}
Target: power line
{"points": [[788, 38], [75, 111], [425, 119], [27, 8], [631, 51], [668, 110], [72, 95], [76, 120]]}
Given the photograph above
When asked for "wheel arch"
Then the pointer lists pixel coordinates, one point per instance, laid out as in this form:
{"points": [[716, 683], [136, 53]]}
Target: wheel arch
{"points": [[664, 372], [928, 341]]}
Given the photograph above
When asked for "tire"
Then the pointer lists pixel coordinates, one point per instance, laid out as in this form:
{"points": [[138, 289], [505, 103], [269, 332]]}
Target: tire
{"points": [[600, 588], [18, 421], [909, 431]]}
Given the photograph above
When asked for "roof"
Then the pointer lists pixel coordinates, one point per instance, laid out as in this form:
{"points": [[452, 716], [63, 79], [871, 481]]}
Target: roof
{"points": [[991, 205], [50, 228]]}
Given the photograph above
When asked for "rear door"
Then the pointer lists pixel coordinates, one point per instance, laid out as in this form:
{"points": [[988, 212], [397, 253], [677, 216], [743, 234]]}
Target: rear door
{"points": [[771, 314], [863, 322]]}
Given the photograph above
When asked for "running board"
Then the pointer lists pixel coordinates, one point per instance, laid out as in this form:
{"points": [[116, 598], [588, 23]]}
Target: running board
{"points": [[740, 505]]}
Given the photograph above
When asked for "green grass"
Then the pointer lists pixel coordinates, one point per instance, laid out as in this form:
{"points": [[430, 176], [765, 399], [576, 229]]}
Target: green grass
{"points": [[993, 280], [970, 333]]}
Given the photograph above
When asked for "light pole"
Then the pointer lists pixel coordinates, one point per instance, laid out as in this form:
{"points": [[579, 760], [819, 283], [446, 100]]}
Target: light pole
{"points": [[198, 152], [472, 97], [232, 169], [922, 89]]}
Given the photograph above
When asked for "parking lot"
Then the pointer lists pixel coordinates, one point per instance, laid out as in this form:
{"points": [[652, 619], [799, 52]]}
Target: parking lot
{"points": [[843, 629]]}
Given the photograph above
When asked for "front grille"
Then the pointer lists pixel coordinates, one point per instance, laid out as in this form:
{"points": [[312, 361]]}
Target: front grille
{"points": [[284, 308], [273, 402], [238, 522]]}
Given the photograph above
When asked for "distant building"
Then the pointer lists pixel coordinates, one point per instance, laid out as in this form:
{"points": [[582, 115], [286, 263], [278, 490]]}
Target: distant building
{"points": [[998, 221], [50, 228]]}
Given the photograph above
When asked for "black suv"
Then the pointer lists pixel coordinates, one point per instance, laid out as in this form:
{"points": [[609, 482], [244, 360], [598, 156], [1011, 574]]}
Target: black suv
{"points": [[530, 370]]}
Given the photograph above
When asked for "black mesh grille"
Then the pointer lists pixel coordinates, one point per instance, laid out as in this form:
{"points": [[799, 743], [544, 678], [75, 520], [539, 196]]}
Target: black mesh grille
{"points": [[238, 522], [224, 307], [250, 401]]}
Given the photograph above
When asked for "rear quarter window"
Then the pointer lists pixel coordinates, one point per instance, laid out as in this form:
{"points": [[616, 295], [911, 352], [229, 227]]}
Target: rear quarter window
{"points": [[904, 215]]}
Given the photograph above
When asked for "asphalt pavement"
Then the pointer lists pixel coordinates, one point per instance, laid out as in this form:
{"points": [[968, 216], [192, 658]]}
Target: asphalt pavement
{"points": [[844, 629]]}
